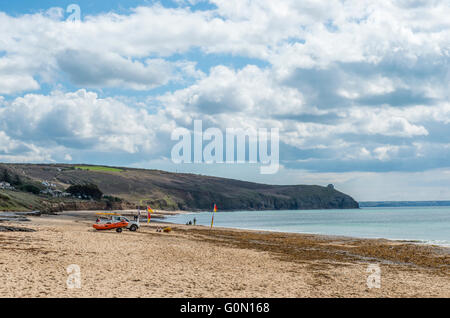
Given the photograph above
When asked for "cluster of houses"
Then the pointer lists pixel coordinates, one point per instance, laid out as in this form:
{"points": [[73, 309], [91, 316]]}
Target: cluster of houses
{"points": [[50, 189], [6, 186]]}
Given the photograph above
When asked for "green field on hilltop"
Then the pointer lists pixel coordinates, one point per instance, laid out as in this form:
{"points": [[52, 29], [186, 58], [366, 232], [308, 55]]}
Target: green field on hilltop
{"points": [[98, 168]]}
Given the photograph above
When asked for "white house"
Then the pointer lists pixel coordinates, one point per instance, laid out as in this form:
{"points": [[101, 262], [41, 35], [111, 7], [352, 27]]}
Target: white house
{"points": [[6, 186]]}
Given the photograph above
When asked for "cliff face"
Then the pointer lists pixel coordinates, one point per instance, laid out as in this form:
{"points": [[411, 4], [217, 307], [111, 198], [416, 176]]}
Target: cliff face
{"points": [[164, 190], [267, 198]]}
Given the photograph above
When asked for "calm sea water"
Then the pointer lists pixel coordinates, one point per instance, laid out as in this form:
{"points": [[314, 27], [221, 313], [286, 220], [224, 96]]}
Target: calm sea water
{"points": [[425, 224]]}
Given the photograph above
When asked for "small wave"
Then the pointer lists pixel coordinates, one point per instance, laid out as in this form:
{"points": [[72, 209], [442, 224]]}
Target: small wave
{"points": [[437, 242]]}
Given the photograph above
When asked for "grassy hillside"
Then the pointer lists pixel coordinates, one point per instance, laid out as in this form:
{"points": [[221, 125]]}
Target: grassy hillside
{"points": [[164, 190], [18, 201]]}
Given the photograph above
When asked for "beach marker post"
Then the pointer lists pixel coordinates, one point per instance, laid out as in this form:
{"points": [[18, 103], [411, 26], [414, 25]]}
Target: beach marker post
{"points": [[214, 212], [149, 210]]}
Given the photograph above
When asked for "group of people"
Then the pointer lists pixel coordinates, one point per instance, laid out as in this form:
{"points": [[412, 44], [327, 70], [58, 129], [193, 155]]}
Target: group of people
{"points": [[193, 222]]}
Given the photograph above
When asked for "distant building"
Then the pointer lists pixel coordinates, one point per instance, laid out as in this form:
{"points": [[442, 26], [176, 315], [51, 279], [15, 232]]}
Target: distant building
{"points": [[56, 193], [330, 186], [46, 191], [6, 186], [48, 184]]}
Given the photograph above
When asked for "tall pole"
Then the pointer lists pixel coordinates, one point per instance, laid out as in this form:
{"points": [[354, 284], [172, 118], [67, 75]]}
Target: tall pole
{"points": [[214, 212]]}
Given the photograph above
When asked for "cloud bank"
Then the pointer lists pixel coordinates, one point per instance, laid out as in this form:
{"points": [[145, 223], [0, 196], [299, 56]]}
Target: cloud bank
{"points": [[353, 86]]}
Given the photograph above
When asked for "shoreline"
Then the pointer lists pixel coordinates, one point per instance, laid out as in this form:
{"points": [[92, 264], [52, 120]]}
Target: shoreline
{"points": [[195, 261], [160, 216], [329, 236], [404, 240]]}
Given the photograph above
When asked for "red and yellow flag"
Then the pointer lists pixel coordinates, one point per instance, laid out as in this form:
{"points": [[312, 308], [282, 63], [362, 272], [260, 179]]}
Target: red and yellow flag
{"points": [[149, 210], [214, 212]]}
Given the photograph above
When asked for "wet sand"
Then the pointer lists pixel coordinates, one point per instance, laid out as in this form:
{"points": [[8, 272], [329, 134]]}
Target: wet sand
{"points": [[195, 261]]}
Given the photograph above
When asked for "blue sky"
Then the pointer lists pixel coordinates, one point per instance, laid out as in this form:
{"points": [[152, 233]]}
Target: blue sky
{"points": [[358, 90], [89, 7]]}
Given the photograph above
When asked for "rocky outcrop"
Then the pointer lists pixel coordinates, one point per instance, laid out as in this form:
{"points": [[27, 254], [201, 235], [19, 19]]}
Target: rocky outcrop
{"points": [[15, 229]]}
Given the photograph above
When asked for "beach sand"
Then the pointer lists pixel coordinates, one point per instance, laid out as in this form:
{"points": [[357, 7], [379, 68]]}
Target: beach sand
{"points": [[195, 261]]}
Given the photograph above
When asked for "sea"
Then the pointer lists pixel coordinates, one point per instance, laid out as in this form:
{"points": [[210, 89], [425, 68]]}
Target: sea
{"points": [[429, 225]]}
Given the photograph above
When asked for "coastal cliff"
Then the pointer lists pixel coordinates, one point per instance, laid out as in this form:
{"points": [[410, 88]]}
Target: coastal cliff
{"points": [[178, 191]]}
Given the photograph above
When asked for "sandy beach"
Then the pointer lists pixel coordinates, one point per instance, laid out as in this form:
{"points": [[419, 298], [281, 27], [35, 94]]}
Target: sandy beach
{"points": [[194, 261]]}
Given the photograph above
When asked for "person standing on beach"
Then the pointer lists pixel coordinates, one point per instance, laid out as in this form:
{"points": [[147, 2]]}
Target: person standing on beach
{"points": [[195, 221]]}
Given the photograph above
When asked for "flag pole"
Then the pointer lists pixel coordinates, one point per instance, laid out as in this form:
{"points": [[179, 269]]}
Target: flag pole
{"points": [[214, 212], [149, 210]]}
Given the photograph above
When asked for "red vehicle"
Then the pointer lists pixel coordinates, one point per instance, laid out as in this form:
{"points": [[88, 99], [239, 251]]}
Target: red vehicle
{"points": [[110, 225]]}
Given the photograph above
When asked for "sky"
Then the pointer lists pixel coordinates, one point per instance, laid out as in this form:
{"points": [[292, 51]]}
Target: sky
{"points": [[359, 90]]}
